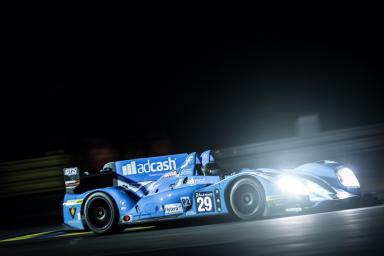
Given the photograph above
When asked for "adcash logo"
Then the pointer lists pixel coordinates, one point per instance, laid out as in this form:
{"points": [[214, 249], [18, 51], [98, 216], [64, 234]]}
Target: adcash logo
{"points": [[149, 167]]}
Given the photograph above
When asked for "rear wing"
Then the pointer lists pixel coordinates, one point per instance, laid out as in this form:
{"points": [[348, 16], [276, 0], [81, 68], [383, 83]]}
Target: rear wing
{"points": [[76, 183]]}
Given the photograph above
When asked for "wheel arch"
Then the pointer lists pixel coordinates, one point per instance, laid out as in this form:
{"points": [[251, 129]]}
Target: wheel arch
{"points": [[116, 194], [262, 182], [265, 183], [238, 177]]}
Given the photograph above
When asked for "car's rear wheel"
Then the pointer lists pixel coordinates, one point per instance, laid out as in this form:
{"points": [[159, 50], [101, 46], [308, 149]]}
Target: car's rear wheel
{"points": [[101, 215], [246, 199]]}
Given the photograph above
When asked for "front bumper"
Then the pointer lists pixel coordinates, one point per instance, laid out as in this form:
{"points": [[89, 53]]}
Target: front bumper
{"points": [[280, 205], [303, 204]]}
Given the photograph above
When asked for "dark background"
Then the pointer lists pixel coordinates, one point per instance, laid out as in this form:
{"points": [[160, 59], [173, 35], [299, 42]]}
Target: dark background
{"points": [[84, 84], [77, 77]]}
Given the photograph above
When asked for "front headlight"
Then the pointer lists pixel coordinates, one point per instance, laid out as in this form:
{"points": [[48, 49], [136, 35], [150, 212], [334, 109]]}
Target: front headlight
{"points": [[347, 178], [290, 185]]}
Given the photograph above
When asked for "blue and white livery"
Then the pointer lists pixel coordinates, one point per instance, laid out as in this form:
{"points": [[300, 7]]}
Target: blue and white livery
{"points": [[193, 185]]}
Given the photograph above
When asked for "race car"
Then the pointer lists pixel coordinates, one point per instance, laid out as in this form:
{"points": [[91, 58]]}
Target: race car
{"points": [[193, 185]]}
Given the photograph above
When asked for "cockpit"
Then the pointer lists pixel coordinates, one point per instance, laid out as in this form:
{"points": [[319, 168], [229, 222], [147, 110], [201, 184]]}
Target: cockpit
{"points": [[205, 165]]}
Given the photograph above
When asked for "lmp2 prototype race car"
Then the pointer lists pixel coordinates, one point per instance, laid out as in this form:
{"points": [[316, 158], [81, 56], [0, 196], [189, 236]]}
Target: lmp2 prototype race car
{"points": [[192, 185]]}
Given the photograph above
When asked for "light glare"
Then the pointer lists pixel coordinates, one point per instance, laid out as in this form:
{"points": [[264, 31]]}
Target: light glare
{"points": [[347, 178], [290, 185]]}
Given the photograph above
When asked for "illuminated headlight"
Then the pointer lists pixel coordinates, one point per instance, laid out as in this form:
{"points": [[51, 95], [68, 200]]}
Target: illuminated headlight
{"points": [[291, 185], [347, 178]]}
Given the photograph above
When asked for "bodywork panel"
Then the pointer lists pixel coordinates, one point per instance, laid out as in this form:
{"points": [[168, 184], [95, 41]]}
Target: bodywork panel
{"points": [[165, 187]]}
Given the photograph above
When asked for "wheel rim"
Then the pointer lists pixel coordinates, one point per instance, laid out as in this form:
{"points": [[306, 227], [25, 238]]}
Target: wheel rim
{"points": [[100, 214], [245, 198]]}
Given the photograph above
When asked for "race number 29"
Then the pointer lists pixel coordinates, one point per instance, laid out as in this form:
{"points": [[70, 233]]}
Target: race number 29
{"points": [[204, 202]]}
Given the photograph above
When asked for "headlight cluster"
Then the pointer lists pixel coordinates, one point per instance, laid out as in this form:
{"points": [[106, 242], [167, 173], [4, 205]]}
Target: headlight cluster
{"points": [[291, 185], [347, 178]]}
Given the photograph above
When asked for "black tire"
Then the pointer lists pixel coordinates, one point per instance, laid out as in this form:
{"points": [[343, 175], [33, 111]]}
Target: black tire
{"points": [[101, 215], [245, 198]]}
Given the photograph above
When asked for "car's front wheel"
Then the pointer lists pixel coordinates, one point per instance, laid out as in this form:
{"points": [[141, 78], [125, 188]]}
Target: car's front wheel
{"points": [[246, 199], [100, 214]]}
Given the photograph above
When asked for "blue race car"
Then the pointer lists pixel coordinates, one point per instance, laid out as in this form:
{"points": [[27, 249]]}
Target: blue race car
{"points": [[192, 185]]}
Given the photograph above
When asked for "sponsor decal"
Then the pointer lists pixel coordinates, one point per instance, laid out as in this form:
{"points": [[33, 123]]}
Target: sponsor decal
{"points": [[73, 202], [170, 174], [71, 178], [273, 197], [123, 207], [171, 209], [185, 201], [297, 209], [71, 171], [133, 167], [193, 181], [72, 211], [204, 202], [72, 184]]}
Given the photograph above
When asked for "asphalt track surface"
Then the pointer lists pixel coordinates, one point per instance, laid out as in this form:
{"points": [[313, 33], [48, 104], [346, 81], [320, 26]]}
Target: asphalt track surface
{"points": [[357, 231]]}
